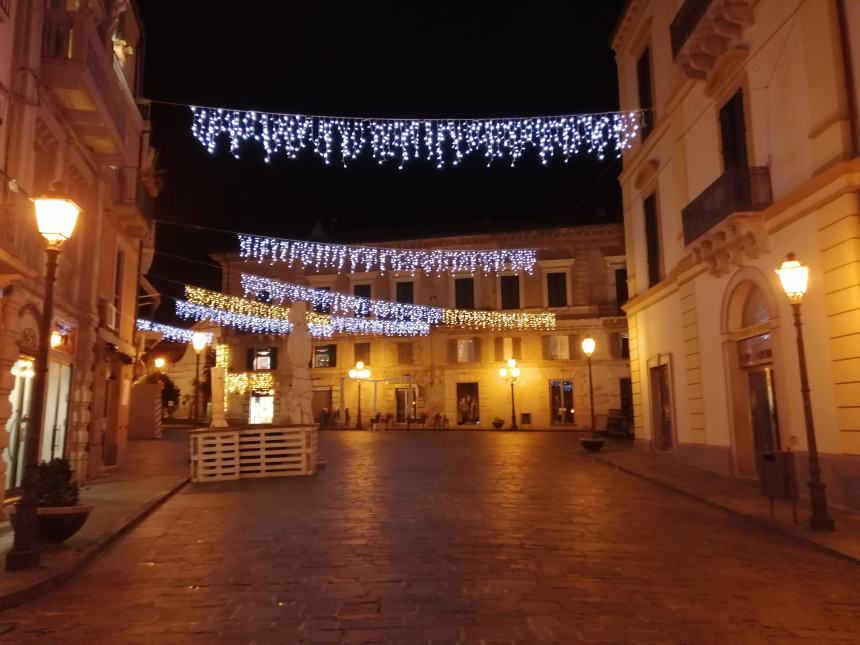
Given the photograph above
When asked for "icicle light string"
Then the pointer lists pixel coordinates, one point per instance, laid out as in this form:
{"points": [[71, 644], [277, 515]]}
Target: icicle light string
{"points": [[174, 334], [261, 318], [282, 292], [353, 258], [444, 142]]}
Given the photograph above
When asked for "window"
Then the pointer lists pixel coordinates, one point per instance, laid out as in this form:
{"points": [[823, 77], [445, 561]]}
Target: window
{"points": [[733, 133], [464, 293], [362, 291], [509, 291], [325, 356], [265, 358], [117, 290], [505, 348], [405, 353], [646, 96], [323, 308], [405, 292], [652, 239], [361, 352], [624, 339], [556, 348], [621, 293], [556, 289], [561, 402]]}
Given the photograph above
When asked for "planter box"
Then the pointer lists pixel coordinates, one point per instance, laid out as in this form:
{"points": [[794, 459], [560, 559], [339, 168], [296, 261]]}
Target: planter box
{"points": [[223, 454], [592, 444], [55, 524]]}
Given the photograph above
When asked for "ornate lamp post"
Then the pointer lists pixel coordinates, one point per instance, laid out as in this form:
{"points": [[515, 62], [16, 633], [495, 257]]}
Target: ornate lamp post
{"points": [[358, 373], [159, 363], [511, 373], [588, 344], [56, 217], [794, 277], [198, 342]]}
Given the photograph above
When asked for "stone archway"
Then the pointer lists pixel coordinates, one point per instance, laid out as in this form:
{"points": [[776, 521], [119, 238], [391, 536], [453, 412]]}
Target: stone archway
{"points": [[753, 368]]}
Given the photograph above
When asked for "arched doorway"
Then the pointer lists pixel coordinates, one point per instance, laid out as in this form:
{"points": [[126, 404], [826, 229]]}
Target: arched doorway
{"points": [[751, 365]]}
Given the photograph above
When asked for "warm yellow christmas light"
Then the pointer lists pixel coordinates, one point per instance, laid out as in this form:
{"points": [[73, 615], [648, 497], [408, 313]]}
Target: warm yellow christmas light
{"points": [[243, 382], [222, 356], [244, 306], [497, 320]]}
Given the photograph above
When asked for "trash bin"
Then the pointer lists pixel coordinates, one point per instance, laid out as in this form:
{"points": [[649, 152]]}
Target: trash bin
{"points": [[777, 475]]}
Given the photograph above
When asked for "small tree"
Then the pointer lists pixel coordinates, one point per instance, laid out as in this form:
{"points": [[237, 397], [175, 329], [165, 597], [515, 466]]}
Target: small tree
{"points": [[169, 391]]}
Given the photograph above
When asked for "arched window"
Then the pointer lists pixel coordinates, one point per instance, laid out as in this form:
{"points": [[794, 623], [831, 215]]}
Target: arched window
{"points": [[755, 311]]}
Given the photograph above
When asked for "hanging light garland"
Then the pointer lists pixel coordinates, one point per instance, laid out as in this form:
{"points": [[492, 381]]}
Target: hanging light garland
{"points": [[243, 382], [444, 142], [352, 258], [260, 318], [277, 291], [175, 334]]}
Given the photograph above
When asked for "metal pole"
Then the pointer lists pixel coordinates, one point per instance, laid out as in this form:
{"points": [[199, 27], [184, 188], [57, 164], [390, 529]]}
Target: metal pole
{"points": [[591, 397], [513, 409], [820, 519], [358, 419], [197, 391], [24, 554]]}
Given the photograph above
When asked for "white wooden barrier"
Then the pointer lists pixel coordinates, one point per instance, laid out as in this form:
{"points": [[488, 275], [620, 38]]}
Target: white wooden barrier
{"points": [[222, 454]]}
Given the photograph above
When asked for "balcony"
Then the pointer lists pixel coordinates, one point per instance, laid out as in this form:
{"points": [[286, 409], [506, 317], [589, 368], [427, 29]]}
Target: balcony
{"points": [[131, 205], [78, 68], [703, 30], [724, 224]]}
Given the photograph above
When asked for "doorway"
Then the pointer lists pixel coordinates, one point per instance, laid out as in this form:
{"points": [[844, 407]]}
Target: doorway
{"points": [[262, 407], [321, 405], [16, 425], [765, 426], [405, 404], [56, 411], [468, 408], [661, 407], [625, 395], [561, 402]]}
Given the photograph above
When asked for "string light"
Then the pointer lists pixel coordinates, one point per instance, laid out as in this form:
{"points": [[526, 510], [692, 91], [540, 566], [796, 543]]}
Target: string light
{"points": [[257, 286], [243, 382], [444, 142], [175, 334], [222, 356], [352, 258], [260, 318]]}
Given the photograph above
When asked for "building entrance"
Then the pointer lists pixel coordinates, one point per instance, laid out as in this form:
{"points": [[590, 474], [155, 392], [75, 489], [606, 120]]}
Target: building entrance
{"points": [[561, 402], [468, 409], [262, 408]]}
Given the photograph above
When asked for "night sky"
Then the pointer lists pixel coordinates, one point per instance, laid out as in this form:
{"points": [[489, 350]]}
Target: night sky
{"points": [[403, 60]]}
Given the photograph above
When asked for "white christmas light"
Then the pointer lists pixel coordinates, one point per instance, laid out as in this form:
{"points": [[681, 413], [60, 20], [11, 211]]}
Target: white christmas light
{"points": [[278, 325], [352, 258], [175, 334], [282, 292], [440, 141]]}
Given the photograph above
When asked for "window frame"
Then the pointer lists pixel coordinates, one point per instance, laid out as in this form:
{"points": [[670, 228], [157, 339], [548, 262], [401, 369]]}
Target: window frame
{"points": [[499, 303], [556, 266]]}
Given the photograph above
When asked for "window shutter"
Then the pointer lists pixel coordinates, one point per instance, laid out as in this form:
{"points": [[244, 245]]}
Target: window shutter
{"points": [[545, 349], [477, 342], [615, 344], [250, 362], [273, 352], [452, 350], [499, 346], [333, 354], [518, 348], [574, 348]]}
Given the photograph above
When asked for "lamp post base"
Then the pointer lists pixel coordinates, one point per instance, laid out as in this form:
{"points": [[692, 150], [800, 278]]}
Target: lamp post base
{"points": [[823, 524]]}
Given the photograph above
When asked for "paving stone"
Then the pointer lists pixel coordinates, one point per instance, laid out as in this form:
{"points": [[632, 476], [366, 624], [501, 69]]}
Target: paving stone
{"points": [[447, 538]]}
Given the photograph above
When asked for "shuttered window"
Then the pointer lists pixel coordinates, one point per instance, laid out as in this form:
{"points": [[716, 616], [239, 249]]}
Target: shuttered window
{"points": [[361, 352], [464, 293], [509, 287], [556, 289]]}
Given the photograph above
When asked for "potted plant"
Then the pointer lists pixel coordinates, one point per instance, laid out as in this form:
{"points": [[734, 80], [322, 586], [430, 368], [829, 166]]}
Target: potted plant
{"points": [[592, 444], [60, 515], [498, 423]]}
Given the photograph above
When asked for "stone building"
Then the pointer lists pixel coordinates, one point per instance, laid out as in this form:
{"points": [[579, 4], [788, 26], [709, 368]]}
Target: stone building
{"points": [[69, 78], [749, 151], [451, 377]]}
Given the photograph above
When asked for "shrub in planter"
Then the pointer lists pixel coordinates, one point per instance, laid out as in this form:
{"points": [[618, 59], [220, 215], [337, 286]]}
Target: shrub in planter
{"points": [[498, 423], [60, 515]]}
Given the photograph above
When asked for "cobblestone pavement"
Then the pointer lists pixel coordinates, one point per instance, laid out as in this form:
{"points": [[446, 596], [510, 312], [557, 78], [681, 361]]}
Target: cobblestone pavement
{"points": [[448, 537]]}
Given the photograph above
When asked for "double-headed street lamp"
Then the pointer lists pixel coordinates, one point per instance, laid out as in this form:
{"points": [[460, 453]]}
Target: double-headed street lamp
{"points": [[511, 373], [56, 216], [198, 342], [588, 344], [358, 373], [794, 277]]}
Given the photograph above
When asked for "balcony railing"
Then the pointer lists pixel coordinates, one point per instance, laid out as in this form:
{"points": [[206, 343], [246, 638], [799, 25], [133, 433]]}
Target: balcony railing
{"points": [[685, 21], [737, 190]]}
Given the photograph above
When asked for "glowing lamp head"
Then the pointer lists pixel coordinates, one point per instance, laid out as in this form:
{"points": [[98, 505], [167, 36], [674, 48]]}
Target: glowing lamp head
{"points": [[56, 339], [56, 217], [794, 277], [23, 369], [159, 363], [198, 341], [588, 345], [359, 365], [512, 363], [503, 372]]}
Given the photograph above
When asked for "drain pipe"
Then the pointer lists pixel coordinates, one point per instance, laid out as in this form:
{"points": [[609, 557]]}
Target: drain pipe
{"points": [[844, 36]]}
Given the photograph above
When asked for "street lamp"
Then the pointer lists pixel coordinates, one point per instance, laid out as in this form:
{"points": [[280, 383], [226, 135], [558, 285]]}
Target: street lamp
{"points": [[198, 342], [56, 216], [159, 363], [794, 277], [511, 373], [588, 344], [358, 373]]}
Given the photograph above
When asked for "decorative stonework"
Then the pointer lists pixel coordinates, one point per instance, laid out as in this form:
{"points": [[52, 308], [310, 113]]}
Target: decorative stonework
{"points": [[738, 237], [715, 34]]}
